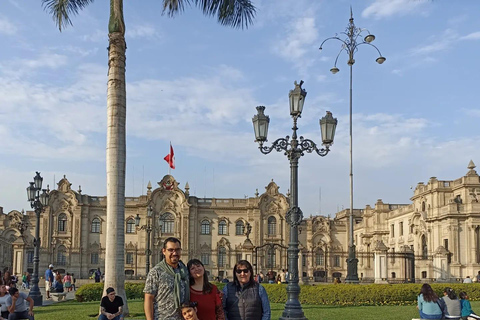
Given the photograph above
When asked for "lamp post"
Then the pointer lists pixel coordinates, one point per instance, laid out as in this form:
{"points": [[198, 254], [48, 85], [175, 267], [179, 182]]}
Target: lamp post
{"points": [[350, 45], [294, 149], [38, 202], [148, 229]]}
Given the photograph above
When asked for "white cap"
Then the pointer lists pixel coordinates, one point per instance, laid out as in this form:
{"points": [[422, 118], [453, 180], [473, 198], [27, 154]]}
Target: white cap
{"points": [[50, 266]]}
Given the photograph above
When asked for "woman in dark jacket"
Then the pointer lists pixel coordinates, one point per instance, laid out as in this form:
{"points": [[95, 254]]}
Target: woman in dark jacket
{"points": [[245, 299]]}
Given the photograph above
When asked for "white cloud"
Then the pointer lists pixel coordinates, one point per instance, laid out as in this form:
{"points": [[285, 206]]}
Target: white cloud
{"points": [[6, 27], [387, 8], [141, 31], [471, 36], [301, 34], [97, 36]]}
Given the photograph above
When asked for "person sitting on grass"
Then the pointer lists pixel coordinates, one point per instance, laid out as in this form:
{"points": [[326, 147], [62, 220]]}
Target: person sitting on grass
{"points": [[189, 311], [3, 301], [111, 306], [467, 311], [428, 303], [17, 306], [452, 309], [58, 286]]}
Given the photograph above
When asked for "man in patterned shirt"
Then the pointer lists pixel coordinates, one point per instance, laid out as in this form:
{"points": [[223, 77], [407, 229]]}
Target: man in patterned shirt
{"points": [[167, 285]]}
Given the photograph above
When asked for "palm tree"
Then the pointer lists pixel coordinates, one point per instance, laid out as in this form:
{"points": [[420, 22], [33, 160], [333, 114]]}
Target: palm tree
{"points": [[235, 13]]}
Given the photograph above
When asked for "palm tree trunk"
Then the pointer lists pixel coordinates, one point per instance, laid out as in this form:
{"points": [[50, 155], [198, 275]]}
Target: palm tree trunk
{"points": [[116, 154]]}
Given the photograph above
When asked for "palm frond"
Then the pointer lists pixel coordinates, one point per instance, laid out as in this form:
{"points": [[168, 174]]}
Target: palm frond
{"points": [[234, 13], [61, 10]]}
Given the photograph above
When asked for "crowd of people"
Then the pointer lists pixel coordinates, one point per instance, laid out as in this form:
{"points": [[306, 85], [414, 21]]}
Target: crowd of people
{"points": [[55, 282]]}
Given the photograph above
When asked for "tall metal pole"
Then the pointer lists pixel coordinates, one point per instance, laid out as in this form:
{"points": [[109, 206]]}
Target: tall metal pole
{"points": [[35, 293], [149, 251]]}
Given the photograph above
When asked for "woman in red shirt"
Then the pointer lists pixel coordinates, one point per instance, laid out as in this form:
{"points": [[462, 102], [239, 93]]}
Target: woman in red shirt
{"points": [[205, 294]]}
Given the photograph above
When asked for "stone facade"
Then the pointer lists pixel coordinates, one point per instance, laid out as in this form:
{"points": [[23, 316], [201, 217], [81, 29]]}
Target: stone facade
{"points": [[435, 237]]}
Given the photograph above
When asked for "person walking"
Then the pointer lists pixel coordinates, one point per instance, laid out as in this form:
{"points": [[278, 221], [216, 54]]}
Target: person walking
{"points": [[17, 306], [97, 275], [111, 306], [203, 293], [167, 284], [428, 303], [67, 282], [49, 279], [245, 299]]}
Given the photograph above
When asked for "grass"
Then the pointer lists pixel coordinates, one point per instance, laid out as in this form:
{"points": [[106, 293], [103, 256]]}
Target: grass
{"points": [[72, 310]]}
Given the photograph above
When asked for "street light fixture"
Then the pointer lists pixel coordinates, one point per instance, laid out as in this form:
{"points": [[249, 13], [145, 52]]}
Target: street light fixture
{"points": [[38, 202], [294, 149], [350, 45], [148, 229]]}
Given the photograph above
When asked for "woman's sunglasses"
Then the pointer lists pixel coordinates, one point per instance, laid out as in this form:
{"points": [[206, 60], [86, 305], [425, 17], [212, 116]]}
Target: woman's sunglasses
{"points": [[239, 271]]}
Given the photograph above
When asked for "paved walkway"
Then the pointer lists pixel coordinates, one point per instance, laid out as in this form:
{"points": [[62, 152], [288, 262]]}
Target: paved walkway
{"points": [[47, 302]]}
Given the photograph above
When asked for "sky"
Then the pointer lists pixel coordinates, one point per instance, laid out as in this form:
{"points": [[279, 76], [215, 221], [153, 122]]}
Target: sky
{"points": [[195, 83]]}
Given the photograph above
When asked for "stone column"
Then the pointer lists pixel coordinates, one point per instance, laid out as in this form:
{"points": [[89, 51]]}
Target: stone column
{"points": [[381, 272], [441, 268]]}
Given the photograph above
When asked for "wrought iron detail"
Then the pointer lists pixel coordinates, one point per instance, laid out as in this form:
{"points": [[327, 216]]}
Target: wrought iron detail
{"points": [[294, 216]]}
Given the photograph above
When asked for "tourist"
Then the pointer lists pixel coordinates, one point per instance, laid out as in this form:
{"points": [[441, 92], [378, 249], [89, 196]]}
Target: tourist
{"points": [[67, 282], [466, 307], [283, 276], [428, 303], [189, 311], [167, 284], [73, 282], [467, 280], [7, 280], [58, 285], [203, 293], [111, 306], [452, 307], [279, 279], [49, 279], [97, 275], [478, 277], [3, 301], [271, 276], [17, 306], [244, 299]]}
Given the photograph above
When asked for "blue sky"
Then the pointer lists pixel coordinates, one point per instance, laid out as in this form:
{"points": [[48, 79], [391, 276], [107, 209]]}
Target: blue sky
{"points": [[196, 83]]}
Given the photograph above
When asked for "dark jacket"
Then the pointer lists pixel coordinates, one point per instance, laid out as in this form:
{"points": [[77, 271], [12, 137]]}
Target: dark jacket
{"points": [[243, 303]]}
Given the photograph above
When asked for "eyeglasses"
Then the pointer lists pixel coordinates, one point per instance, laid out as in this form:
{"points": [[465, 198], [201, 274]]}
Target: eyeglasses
{"points": [[179, 250], [239, 271]]}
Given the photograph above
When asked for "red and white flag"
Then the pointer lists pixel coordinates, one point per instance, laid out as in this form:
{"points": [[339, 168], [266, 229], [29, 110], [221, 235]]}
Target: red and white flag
{"points": [[170, 158]]}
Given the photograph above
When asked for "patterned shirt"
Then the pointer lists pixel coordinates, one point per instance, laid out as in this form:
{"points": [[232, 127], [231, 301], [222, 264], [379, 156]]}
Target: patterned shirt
{"points": [[160, 284]]}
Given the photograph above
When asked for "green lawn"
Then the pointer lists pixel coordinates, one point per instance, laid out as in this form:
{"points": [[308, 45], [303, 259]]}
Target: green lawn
{"points": [[71, 310]]}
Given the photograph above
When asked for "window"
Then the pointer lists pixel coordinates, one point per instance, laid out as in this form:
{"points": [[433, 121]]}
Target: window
{"points": [[62, 222], [424, 248], [205, 227], [94, 258], [61, 256], [401, 228], [392, 230], [412, 228], [30, 257], [96, 225], [320, 258], [272, 226], [205, 258], [222, 227], [167, 221], [394, 275], [445, 243], [424, 274], [222, 256], [239, 229], [129, 258], [131, 226], [336, 261], [270, 258], [423, 206], [304, 261], [239, 257]]}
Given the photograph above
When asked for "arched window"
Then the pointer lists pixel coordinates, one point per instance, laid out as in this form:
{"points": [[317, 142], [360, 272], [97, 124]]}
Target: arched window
{"points": [[131, 226], [167, 221], [319, 257], [205, 227], [423, 206], [62, 222], [270, 258], [61, 256], [272, 226], [239, 228], [96, 225], [222, 256], [222, 227], [424, 248]]}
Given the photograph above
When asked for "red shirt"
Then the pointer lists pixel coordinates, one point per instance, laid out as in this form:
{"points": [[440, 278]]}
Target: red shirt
{"points": [[209, 305]]}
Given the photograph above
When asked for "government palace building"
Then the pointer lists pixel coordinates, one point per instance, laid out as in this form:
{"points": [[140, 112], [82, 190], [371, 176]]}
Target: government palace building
{"points": [[435, 237]]}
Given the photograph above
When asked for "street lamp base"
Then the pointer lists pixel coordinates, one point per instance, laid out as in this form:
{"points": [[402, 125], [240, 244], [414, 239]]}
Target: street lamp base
{"points": [[352, 262], [37, 300], [293, 311]]}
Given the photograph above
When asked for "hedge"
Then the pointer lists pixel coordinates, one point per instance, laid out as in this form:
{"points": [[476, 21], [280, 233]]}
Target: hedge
{"points": [[322, 294]]}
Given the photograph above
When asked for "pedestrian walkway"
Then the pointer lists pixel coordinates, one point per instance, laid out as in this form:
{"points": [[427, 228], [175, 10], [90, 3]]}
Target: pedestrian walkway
{"points": [[47, 302]]}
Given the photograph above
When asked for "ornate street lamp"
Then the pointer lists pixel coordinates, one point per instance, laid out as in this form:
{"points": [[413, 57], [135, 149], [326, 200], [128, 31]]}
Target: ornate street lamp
{"points": [[294, 149], [350, 45], [38, 202], [148, 229]]}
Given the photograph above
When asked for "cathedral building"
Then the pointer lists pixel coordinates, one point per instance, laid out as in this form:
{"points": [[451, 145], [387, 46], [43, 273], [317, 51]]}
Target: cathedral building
{"points": [[435, 237]]}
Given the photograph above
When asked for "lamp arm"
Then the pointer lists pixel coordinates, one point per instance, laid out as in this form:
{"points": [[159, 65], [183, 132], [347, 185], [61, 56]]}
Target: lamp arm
{"points": [[331, 38], [379, 53], [307, 145], [279, 145]]}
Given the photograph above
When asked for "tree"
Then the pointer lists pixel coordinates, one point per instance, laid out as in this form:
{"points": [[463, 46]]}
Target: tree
{"points": [[235, 13]]}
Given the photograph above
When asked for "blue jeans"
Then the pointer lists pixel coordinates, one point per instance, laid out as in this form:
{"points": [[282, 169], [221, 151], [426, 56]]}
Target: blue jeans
{"points": [[102, 317], [430, 316], [20, 315]]}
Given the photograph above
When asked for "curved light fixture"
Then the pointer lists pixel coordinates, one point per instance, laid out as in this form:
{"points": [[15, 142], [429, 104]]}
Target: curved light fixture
{"points": [[369, 38], [381, 60], [334, 70]]}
